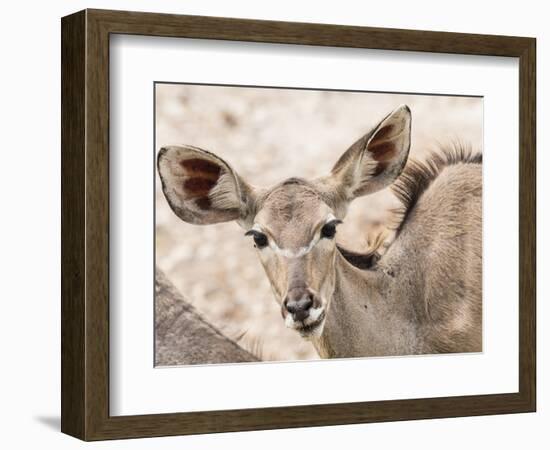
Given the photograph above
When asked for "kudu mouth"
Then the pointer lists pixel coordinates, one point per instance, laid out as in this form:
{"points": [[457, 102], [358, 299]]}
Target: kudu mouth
{"points": [[313, 329], [303, 311]]}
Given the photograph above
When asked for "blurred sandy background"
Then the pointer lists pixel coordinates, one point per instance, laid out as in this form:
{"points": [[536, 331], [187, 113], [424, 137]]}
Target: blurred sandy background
{"points": [[268, 135]]}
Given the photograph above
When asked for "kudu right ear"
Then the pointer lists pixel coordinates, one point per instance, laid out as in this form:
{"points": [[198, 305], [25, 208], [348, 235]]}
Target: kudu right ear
{"points": [[202, 188], [374, 161]]}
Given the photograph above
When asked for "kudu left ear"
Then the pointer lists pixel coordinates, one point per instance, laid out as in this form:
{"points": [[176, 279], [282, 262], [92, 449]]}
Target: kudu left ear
{"points": [[201, 188], [374, 161]]}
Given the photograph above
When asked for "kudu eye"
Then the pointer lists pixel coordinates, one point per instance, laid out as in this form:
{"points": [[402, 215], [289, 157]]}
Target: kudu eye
{"points": [[329, 229], [260, 239]]}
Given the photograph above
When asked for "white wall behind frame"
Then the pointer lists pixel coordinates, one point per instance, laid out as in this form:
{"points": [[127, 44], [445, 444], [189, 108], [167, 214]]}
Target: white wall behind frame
{"points": [[30, 326]]}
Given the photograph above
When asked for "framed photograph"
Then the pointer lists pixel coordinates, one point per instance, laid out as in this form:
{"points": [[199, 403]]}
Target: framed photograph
{"points": [[271, 224]]}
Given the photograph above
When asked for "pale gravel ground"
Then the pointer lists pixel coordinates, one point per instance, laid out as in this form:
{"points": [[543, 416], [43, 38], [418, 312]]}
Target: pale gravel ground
{"points": [[268, 135]]}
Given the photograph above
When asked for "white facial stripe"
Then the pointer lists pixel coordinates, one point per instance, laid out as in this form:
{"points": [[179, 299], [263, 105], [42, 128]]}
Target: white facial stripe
{"points": [[293, 254], [290, 253]]}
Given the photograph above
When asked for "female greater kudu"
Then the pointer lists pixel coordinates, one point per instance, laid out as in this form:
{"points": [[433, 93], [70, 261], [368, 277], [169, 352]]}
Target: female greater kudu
{"points": [[422, 296]]}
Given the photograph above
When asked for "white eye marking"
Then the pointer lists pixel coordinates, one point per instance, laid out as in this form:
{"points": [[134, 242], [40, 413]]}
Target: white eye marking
{"points": [[257, 228], [294, 254], [290, 253]]}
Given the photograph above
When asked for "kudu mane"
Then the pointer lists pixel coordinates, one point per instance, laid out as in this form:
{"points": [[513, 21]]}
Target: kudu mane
{"points": [[415, 179]]}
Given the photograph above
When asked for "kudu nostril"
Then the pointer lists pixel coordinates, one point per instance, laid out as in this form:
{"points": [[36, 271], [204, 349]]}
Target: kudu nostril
{"points": [[299, 308]]}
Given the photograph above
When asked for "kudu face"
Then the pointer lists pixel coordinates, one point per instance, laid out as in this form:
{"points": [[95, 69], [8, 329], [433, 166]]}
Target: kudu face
{"points": [[293, 232], [292, 224]]}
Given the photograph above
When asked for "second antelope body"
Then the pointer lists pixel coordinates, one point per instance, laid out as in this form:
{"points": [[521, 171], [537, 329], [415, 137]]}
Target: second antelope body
{"points": [[417, 292]]}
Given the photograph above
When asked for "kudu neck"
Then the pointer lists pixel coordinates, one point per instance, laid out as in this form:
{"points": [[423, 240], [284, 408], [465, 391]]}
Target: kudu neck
{"points": [[361, 313]]}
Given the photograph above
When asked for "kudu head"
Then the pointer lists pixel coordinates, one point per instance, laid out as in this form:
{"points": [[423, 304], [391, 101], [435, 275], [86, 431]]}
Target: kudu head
{"points": [[292, 224]]}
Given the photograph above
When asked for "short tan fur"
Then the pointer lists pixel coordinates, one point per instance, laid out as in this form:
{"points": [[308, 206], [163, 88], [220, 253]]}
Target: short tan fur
{"points": [[417, 291]]}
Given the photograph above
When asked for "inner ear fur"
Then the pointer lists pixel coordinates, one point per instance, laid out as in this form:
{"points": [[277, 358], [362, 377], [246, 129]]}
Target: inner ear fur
{"points": [[201, 188]]}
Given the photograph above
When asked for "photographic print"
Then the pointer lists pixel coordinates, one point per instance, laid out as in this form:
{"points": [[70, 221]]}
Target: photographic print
{"points": [[301, 224]]}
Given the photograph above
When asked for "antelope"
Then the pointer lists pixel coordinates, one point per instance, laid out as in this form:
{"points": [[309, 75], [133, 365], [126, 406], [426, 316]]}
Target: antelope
{"points": [[420, 294]]}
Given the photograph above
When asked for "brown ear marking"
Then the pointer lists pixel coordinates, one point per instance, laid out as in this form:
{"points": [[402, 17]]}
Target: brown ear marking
{"points": [[198, 187], [384, 132], [382, 147], [203, 203], [202, 176], [383, 151], [201, 168]]}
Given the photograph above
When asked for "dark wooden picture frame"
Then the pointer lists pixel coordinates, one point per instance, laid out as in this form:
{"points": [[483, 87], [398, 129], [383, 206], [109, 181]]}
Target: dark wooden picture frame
{"points": [[85, 224]]}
